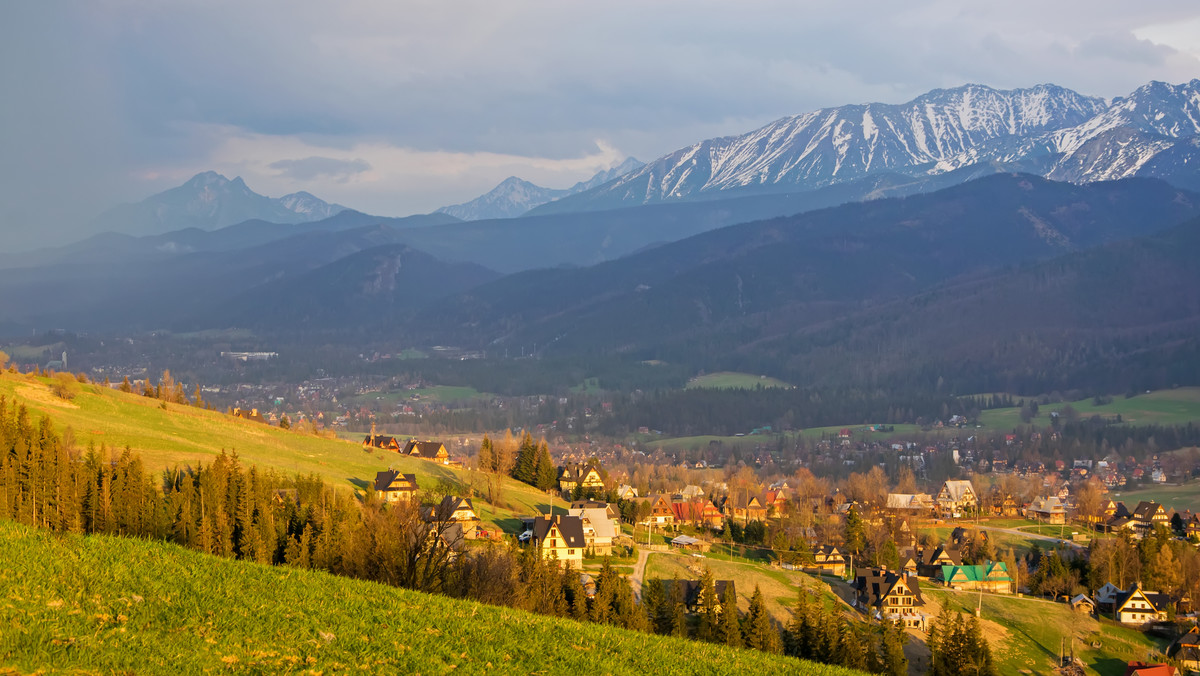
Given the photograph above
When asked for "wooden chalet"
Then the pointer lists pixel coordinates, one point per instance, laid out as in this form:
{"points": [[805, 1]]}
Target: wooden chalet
{"points": [[1083, 603], [560, 537], [1137, 607], [1149, 514], [457, 510], [661, 513], [1005, 506], [1049, 510], [585, 476], [392, 486], [387, 443], [1192, 526], [957, 497], [827, 560], [1186, 649], [249, 414], [626, 492], [890, 595], [610, 508], [932, 559], [434, 451], [745, 511], [909, 504]]}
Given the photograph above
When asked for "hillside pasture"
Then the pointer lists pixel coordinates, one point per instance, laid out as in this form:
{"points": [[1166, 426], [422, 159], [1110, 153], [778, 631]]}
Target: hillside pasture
{"points": [[1162, 407], [1180, 498], [99, 604], [732, 380], [170, 435]]}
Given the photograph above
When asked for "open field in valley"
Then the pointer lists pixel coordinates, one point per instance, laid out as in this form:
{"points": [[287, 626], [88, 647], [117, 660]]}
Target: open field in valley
{"points": [[1186, 496]]}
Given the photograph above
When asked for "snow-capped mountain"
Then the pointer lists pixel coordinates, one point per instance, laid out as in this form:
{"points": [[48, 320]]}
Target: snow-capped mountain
{"points": [[209, 201], [515, 196], [1046, 129]]}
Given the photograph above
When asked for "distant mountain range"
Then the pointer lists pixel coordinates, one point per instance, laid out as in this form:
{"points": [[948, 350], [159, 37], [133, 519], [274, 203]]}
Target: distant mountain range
{"points": [[209, 201], [514, 196], [1046, 130]]}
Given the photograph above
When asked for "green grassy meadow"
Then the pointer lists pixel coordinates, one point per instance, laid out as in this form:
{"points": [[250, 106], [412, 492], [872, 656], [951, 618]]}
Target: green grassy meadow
{"points": [[184, 435], [1024, 633], [101, 604], [1163, 407], [780, 587], [732, 380], [1186, 496]]}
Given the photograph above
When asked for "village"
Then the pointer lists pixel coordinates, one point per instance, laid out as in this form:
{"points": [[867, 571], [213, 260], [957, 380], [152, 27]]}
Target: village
{"points": [[1027, 533]]}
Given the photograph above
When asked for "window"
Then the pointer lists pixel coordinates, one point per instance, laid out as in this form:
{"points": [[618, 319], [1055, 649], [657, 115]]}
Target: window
{"points": [[570, 552]]}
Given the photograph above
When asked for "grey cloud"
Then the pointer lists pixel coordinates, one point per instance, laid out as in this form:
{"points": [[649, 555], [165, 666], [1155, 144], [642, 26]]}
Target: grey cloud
{"points": [[310, 168]]}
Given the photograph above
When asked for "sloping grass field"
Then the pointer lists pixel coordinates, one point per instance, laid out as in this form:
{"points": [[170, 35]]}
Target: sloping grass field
{"points": [[1025, 633], [179, 435], [1180, 498], [102, 604], [732, 380], [1162, 407]]}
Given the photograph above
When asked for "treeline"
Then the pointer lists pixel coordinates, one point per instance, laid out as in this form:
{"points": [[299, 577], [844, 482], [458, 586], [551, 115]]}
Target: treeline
{"points": [[230, 510], [728, 412]]}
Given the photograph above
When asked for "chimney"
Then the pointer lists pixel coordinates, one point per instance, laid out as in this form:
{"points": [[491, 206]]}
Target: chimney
{"points": [[372, 432]]}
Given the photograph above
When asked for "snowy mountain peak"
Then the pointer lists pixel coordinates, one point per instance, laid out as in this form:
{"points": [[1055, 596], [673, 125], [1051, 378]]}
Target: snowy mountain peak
{"points": [[515, 196], [1044, 129]]}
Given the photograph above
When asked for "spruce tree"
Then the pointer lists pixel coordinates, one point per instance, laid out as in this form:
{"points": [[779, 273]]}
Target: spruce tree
{"points": [[730, 626], [487, 455], [708, 608], [654, 604], [760, 633], [894, 663], [545, 476]]}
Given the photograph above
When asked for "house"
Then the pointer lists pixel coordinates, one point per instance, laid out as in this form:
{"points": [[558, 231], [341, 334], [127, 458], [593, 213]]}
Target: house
{"points": [[890, 595], [909, 504], [777, 502], [956, 497], [1149, 514], [392, 486], [1106, 595], [598, 529], [609, 508], [691, 492], [1186, 649], [1083, 604], [1147, 669], [827, 559], [1005, 506], [661, 513], [252, 414], [992, 577], [434, 451], [1192, 527], [932, 559], [1137, 607], [698, 512], [1050, 510], [575, 475], [749, 510], [560, 537], [626, 492], [456, 510], [374, 440]]}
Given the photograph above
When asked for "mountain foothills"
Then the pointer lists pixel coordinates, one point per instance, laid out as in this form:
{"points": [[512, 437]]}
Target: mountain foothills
{"points": [[753, 253], [1046, 130]]}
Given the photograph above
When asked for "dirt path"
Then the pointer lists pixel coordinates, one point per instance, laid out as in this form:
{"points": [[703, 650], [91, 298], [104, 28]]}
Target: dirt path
{"points": [[639, 573]]}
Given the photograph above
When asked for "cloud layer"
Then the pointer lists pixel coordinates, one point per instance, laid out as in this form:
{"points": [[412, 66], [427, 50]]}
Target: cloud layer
{"points": [[399, 108]]}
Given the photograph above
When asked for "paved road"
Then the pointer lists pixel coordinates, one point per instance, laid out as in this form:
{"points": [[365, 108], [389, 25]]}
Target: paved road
{"points": [[639, 573]]}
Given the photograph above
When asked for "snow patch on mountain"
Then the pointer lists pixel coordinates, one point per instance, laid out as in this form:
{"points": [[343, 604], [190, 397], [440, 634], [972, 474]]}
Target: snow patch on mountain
{"points": [[514, 196]]}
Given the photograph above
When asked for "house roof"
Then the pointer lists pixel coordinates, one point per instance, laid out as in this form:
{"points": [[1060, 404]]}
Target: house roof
{"points": [[571, 528], [1135, 590], [379, 441], [384, 481], [1146, 510], [1144, 669], [957, 489], [994, 571], [425, 449], [942, 553], [909, 501], [598, 519]]}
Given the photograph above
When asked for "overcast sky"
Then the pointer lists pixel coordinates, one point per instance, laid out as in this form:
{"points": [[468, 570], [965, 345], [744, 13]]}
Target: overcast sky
{"points": [[396, 107]]}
